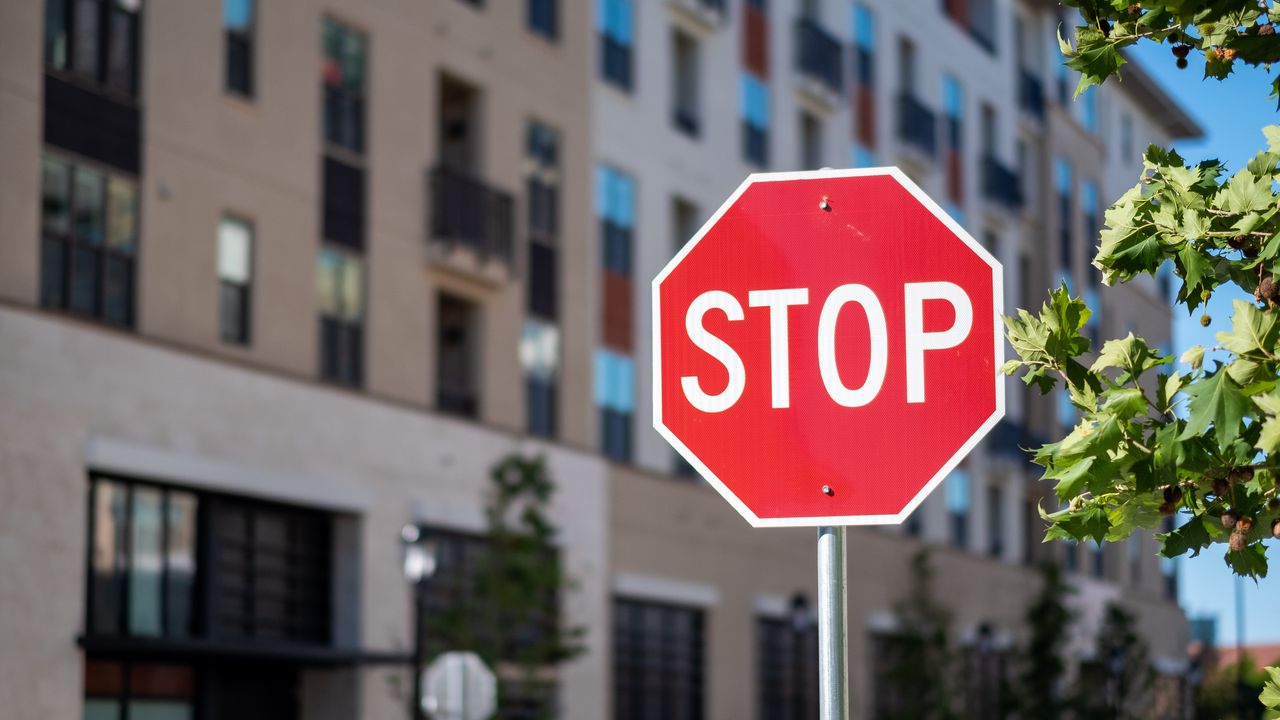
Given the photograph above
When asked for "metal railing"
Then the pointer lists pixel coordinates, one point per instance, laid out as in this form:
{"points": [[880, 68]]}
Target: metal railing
{"points": [[818, 54], [1001, 184], [916, 125], [466, 211]]}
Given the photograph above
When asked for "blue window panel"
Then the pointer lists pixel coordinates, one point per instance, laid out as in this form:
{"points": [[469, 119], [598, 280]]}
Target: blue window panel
{"points": [[237, 14], [755, 101], [615, 196], [1065, 410], [1062, 175], [615, 19], [956, 213], [958, 491], [952, 97], [1089, 199], [864, 27], [863, 157], [1089, 110], [615, 381], [1064, 278]]}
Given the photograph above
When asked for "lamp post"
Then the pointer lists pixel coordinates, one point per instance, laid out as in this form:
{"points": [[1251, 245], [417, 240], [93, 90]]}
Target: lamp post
{"points": [[801, 622], [419, 565]]}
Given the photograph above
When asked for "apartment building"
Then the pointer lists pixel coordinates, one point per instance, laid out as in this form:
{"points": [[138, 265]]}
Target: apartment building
{"points": [[971, 102], [278, 278]]}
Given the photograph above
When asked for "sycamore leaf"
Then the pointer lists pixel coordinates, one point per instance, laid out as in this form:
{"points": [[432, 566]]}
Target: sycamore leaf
{"points": [[1250, 562], [1191, 537], [1096, 58], [1272, 134], [1270, 402], [1270, 696], [1219, 401], [1251, 330], [1245, 192], [1071, 480], [1269, 438]]}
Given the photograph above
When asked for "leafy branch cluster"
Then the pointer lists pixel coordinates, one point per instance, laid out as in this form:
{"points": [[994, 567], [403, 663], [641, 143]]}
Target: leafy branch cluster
{"points": [[1153, 441]]}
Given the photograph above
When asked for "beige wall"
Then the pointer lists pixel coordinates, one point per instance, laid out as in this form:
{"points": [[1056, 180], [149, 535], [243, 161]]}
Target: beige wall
{"points": [[77, 399]]}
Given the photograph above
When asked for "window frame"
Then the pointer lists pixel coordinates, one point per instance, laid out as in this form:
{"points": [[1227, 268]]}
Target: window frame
{"points": [[350, 365], [100, 80], [245, 334], [544, 24], [659, 654], [351, 147]]}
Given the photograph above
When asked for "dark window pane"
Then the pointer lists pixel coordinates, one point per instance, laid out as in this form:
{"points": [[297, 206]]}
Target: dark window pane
{"points": [[658, 661], [616, 61], [90, 212], [180, 562], [55, 196], [55, 33], [542, 281], [107, 560], [122, 52], [53, 269], [85, 56], [456, 356], [542, 17], [117, 299], [616, 434], [122, 215], [541, 400], [233, 304], [86, 274], [239, 64]]}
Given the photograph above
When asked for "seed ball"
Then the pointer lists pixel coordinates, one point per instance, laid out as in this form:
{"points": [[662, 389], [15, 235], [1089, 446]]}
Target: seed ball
{"points": [[1246, 474], [1267, 29], [1237, 542], [1245, 525], [1275, 524], [1273, 504], [1220, 487], [1229, 520], [1168, 508], [1180, 50], [1135, 9], [1172, 494], [1205, 320], [1227, 54], [1211, 54], [1181, 63], [1267, 286]]}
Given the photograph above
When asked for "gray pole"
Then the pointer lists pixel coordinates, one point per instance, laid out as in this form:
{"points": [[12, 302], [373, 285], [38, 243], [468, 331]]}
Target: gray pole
{"points": [[833, 636]]}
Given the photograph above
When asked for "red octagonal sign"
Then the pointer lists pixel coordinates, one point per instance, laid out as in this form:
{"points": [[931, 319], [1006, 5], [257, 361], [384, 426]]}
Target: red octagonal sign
{"points": [[827, 348]]}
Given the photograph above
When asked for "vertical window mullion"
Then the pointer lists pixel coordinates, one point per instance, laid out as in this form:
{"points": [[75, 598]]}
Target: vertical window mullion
{"points": [[165, 630], [91, 525], [126, 552], [104, 38]]}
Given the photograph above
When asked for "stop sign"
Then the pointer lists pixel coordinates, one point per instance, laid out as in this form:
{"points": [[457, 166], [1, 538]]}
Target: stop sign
{"points": [[827, 348]]}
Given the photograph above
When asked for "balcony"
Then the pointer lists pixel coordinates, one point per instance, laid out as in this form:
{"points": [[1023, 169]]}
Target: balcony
{"points": [[818, 56], [916, 126], [468, 215], [1000, 184], [1031, 94]]}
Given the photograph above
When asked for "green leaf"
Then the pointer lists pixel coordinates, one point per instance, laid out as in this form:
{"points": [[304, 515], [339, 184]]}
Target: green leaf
{"points": [[1072, 480], [1096, 58], [1272, 134], [1191, 537], [1193, 227], [1252, 331], [1270, 696], [1125, 403], [1244, 192], [1216, 399], [1250, 562], [1269, 439], [1131, 515], [1270, 402]]}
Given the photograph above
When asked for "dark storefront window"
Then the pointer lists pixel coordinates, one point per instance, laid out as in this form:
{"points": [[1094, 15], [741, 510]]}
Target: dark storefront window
{"points": [[658, 653], [788, 670]]}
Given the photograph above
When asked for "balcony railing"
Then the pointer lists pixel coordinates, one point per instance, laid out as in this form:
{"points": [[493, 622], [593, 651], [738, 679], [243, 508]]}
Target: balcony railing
{"points": [[465, 211], [818, 54], [1031, 94], [1000, 184], [916, 125]]}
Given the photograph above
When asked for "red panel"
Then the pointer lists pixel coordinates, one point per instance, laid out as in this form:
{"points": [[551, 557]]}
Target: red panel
{"points": [[958, 10], [618, 318], [865, 117], [955, 175], [755, 41]]}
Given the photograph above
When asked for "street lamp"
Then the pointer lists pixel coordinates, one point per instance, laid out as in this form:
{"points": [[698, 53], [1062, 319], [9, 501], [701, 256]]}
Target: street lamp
{"points": [[801, 622], [419, 565]]}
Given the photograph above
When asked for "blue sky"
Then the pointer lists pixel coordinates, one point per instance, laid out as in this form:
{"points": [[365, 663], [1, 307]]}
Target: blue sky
{"points": [[1231, 113]]}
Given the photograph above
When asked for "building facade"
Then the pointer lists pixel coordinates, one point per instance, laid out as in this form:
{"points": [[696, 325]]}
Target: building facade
{"points": [[278, 278]]}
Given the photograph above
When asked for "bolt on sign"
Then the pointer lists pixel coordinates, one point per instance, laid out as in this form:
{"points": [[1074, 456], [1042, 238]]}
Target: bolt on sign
{"points": [[826, 349]]}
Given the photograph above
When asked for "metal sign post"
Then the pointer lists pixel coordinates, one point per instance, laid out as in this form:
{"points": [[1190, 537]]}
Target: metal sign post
{"points": [[833, 636]]}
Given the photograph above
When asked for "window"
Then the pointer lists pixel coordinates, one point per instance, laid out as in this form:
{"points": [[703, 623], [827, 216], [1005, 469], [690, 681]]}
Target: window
{"points": [[615, 206], [146, 578], [953, 156], [1064, 410], [755, 119], [787, 661], [89, 238], [862, 157], [114, 690], [457, 356], [995, 520], [95, 42], [1093, 288], [1099, 556], [615, 391], [864, 77], [1126, 138], [344, 86], [540, 340], [1133, 553], [810, 142], [615, 42], [685, 114], [658, 661], [543, 17], [239, 20], [1168, 565], [235, 275], [1063, 72], [1063, 185], [540, 358], [685, 219], [1089, 110], [340, 286], [985, 669], [958, 503]]}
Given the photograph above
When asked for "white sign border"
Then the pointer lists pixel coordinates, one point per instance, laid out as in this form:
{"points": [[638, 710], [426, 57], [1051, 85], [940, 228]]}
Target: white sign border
{"points": [[997, 279]]}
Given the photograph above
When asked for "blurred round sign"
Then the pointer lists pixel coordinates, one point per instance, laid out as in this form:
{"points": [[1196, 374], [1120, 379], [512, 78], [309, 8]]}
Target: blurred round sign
{"points": [[459, 686]]}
